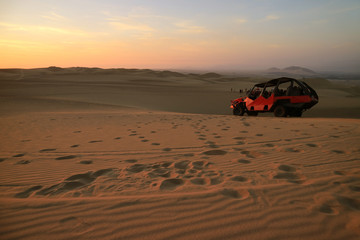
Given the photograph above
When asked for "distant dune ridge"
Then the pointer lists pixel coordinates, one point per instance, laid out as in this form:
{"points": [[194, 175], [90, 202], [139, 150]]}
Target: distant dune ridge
{"points": [[293, 71], [91, 153]]}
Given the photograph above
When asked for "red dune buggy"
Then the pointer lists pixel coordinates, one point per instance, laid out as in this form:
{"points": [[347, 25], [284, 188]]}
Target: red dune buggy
{"points": [[283, 96]]}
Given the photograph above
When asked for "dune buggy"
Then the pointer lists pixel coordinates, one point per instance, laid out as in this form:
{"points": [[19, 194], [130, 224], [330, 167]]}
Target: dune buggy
{"points": [[283, 96]]}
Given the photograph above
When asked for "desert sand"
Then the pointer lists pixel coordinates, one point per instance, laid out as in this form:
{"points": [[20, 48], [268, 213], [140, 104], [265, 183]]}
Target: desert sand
{"points": [[140, 154]]}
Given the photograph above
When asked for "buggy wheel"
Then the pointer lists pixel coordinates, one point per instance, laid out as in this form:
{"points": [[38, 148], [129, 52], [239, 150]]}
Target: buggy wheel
{"points": [[252, 113], [239, 111], [295, 112], [280, 111]]}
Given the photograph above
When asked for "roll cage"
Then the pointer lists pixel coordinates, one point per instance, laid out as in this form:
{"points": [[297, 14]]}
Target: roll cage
{"points": [[276, 86]]}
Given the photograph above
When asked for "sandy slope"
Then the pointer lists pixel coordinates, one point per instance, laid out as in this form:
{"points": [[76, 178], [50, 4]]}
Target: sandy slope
{"points": [[153, 175], [79, 162]]}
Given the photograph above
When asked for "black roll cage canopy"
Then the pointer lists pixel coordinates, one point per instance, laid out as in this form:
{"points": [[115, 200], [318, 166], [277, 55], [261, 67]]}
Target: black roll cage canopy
{"points": [[276, 82]]}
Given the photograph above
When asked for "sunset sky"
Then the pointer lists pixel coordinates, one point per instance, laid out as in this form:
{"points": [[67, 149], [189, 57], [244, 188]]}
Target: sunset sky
{"points": [[178, 34]]}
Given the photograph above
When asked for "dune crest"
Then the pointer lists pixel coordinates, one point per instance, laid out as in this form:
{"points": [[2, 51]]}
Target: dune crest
{"points": [[218, 178]]}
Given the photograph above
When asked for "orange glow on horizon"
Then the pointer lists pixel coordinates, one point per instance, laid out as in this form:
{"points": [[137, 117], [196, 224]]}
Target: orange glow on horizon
{"points": [[150, 36]]}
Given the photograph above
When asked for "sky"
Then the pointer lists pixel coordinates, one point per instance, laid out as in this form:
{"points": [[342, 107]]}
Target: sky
{"points": [[181, 34]]}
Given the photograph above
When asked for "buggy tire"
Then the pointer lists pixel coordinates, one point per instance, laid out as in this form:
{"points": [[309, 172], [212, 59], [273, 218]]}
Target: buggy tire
{"points": [[280, 111], [295, 112], [252, 113], [239, 111]]}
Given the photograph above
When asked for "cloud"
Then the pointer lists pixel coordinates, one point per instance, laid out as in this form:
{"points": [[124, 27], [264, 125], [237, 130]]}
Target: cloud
{"points": [[54, 16], [131, 26], [241, 20], [188, 27], [19, 43], [41, 29], [271, 17]]}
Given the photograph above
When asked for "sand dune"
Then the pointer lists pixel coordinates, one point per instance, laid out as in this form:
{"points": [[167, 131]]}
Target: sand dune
{"points": [[147, 89], [82, 162], [125, 175]]}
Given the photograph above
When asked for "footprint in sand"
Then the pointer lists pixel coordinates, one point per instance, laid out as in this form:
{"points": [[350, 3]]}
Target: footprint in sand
{"points": [[213, 146], [23, 162], [131, 160], [237, 194], [160, 172], [19, 155], [198, 181], [175, 174], [136, 168], [27, 192], [269, 145], [239, 138], [354, 188], [86, 162], [66, 157], [287, 176], [74, 182], [74, 224], [165, 164], [199, 165], [171, 184], [239, 179], [348, 202], [293, 150], [47, 150], [215, 152], [250, 154], [341, 173], [189, 155], [287, 168], [289, 173], [244, 161], [338, 151], [216, 180], [326, 209], [183, 165]]}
